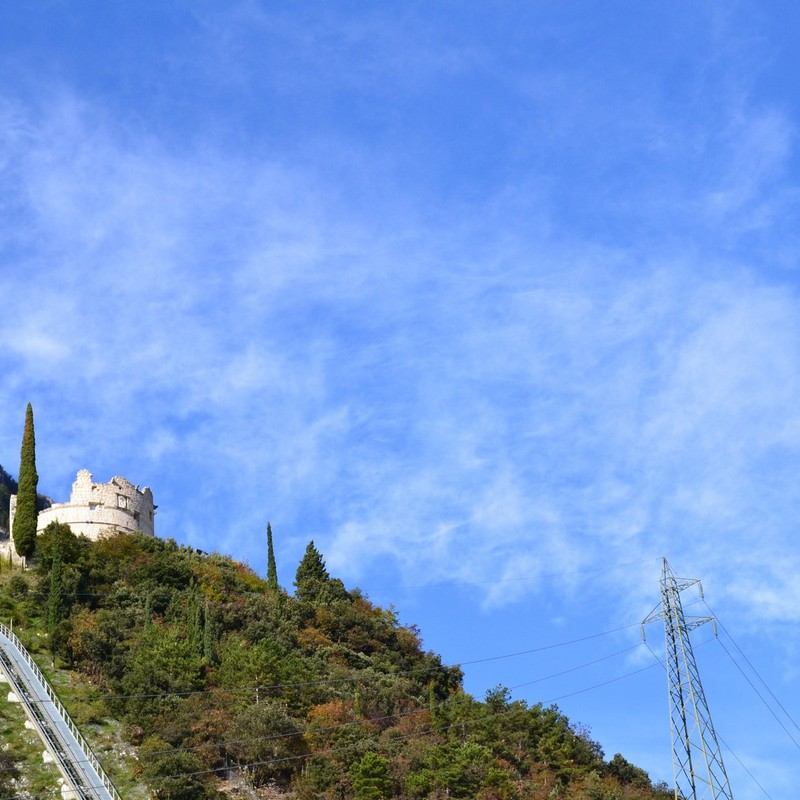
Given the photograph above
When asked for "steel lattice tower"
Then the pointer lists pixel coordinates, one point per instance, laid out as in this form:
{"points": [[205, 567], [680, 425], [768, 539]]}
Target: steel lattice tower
{"points": [[696, 758]]}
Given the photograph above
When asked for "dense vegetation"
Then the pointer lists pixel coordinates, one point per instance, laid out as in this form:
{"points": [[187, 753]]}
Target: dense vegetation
{"points": [[217, 676]]}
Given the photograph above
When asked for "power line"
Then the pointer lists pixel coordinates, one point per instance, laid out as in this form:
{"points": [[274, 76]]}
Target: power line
{"points": [[742, 765], [603, 683], [760, 696], [550, 646], [575, 669], [755, 671]]}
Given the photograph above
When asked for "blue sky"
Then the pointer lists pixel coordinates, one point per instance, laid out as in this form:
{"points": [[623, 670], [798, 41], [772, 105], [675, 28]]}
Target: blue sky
{"points": [[497, 302]]}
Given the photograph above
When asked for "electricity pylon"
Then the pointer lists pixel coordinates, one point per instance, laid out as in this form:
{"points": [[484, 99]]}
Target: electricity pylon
{"points": [[696, 758]]}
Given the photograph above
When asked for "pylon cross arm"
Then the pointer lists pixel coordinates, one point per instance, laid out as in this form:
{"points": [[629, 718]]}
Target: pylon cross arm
{"points": [[696, 622]]}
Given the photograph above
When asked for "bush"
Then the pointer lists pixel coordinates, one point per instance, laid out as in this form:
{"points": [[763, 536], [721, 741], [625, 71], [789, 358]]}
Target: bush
{"points": [[18, 586]]}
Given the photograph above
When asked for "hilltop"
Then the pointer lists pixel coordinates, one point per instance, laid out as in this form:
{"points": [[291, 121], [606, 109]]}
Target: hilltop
{"points": [[194, 677]]}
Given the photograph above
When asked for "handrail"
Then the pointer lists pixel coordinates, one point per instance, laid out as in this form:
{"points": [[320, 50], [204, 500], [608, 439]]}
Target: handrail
{"points": [[87, 751]]}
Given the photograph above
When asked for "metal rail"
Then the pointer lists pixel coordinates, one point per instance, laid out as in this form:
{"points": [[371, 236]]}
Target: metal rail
{"points": [[75, 759]]}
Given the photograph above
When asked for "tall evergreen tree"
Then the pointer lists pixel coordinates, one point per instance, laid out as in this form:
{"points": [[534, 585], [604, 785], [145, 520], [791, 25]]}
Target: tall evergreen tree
{"points": [[24, 531], [55, 601], [312, 577], [272, 569], [208, 633]]}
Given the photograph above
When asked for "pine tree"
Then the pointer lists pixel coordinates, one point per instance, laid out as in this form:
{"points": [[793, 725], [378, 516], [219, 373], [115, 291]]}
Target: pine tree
{"points": [[272, 569], [371, 778], [24, 531], [312, 577]]}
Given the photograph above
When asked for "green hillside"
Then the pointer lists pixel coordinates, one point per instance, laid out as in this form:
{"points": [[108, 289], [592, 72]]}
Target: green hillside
{"points": [[193, 678]]}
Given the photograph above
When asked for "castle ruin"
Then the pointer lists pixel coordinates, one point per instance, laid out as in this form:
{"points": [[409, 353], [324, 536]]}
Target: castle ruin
{"points": [[97, 509]]}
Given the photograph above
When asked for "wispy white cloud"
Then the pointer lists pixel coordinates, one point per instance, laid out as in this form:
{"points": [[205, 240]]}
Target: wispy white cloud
{"points": [[513, 402]]}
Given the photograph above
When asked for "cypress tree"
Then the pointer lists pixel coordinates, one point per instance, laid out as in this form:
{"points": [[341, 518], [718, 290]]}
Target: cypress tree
{"points": [[56, 602], [194, 614], [24, 531], [272, 569], [208, 634]]}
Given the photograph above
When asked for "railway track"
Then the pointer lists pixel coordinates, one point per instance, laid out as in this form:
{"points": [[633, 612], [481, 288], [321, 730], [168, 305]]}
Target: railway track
{"points": [[84, 778]]}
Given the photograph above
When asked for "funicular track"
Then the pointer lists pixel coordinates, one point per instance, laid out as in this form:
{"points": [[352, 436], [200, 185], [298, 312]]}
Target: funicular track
{"points": [[75, 759]]}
